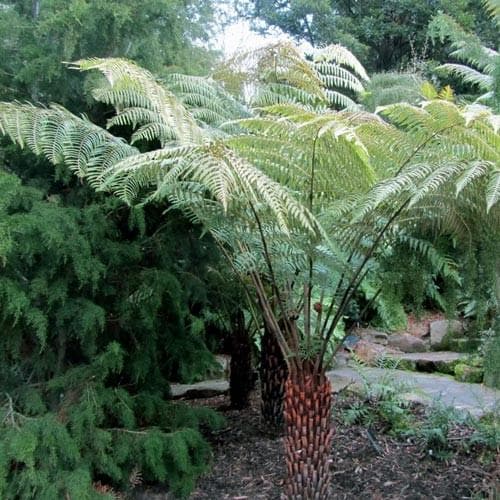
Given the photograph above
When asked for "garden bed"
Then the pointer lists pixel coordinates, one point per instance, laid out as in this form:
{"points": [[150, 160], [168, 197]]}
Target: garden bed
{"points": [[249, 464]]}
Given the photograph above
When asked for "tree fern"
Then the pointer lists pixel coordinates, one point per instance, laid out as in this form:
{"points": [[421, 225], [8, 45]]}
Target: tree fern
{"points": [[301, 219]]}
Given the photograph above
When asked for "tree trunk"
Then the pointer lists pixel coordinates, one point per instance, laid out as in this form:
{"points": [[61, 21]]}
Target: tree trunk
{"points": [[35, 9], [273, 375], [241, 371], [308, 440]]}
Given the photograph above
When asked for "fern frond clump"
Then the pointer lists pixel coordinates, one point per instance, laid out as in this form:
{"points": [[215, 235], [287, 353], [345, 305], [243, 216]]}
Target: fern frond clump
{"points": [[142, 101]]}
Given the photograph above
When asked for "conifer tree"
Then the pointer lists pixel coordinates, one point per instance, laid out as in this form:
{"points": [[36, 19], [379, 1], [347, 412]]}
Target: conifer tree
{"points": [[99, 309]]}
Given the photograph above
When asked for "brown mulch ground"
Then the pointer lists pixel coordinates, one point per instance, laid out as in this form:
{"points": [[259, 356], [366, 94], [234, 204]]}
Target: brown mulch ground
{"points": [[248, 464]]}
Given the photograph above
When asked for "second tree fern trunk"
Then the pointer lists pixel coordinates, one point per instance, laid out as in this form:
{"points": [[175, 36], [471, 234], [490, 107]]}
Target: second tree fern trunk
{"points": [[273, 375], [241, 369]]}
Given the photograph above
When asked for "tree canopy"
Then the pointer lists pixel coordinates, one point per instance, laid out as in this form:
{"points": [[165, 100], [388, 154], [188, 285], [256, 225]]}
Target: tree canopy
{"points": [[385, 35], [162, 35]]}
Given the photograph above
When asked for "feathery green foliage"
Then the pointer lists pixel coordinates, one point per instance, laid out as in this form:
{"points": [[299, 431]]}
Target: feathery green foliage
{"points": [[342, 172], [162, 35], [280, 74], [86, 354], [390, 88], [482, 63]]}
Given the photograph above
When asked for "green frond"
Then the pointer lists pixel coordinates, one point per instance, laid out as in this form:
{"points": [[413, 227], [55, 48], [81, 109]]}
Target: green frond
{"points": [[279, 74], [474, 171], [278, 93], [337, 99], [275, 63], [475, 54], [469, 75], [391, 87], [334, 75], [440, 263], [62, 137], [206, 99], [493, 190], [493, 7], [287, 139], [225, 177], [439, 176], [341, 56], [130, 86]]}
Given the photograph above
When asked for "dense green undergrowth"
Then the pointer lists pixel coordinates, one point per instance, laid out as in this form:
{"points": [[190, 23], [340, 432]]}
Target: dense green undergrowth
{"points": [[97, 314]]}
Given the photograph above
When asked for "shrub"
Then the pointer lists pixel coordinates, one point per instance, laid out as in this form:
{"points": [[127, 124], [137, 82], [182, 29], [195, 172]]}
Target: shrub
{"points": [[58, 439]]}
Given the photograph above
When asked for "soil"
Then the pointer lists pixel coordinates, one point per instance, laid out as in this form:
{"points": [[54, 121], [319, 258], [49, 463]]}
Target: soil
{"points": [[248, 463]]}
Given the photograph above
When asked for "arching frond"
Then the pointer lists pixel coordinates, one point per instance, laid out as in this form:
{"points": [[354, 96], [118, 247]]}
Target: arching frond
{"points": [[225, 177], [130, 86], [493, 189], [440, 263], [206, 99], [339, 100], [392, 87], [315, 154], [493, 6], [279, 73], [62, 137], [275, 63], [341, 56], [469, 75]]}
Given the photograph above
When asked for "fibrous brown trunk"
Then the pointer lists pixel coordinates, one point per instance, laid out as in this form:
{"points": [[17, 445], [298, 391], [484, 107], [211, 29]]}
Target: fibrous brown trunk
{"points": [[273, 375], [308, 440], [241, 371]]}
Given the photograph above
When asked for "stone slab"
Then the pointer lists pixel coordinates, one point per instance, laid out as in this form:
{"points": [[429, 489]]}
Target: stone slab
{"points": [[204, 389], [475, 399]]}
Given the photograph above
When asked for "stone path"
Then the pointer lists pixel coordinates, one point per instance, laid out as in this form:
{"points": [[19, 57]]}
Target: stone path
{"points": [[425, 388], [422, 387], [201, 389]]}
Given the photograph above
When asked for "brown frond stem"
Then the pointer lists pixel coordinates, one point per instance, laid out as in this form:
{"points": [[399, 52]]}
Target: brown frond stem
{"points": [[354, 284]]}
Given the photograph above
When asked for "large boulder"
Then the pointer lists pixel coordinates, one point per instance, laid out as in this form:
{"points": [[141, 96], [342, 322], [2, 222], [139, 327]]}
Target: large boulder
{"points": [[407, 343], [372, 336], [443, 330], [370, 352]]}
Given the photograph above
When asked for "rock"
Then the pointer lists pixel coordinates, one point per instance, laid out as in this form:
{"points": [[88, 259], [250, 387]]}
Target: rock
{"points": [[341, 359], [340, 383], [371, 335], [407, 343], [443, 329], [205, 389], [473, 399], [443, 362], [370, 352], [466, 373], [418, 327], [350, 341]]}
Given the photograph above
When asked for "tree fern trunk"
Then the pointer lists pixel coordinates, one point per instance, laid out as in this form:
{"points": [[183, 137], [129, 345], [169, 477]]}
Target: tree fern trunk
{"points": [[308, 402], [273, 375], [241, 372]]}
